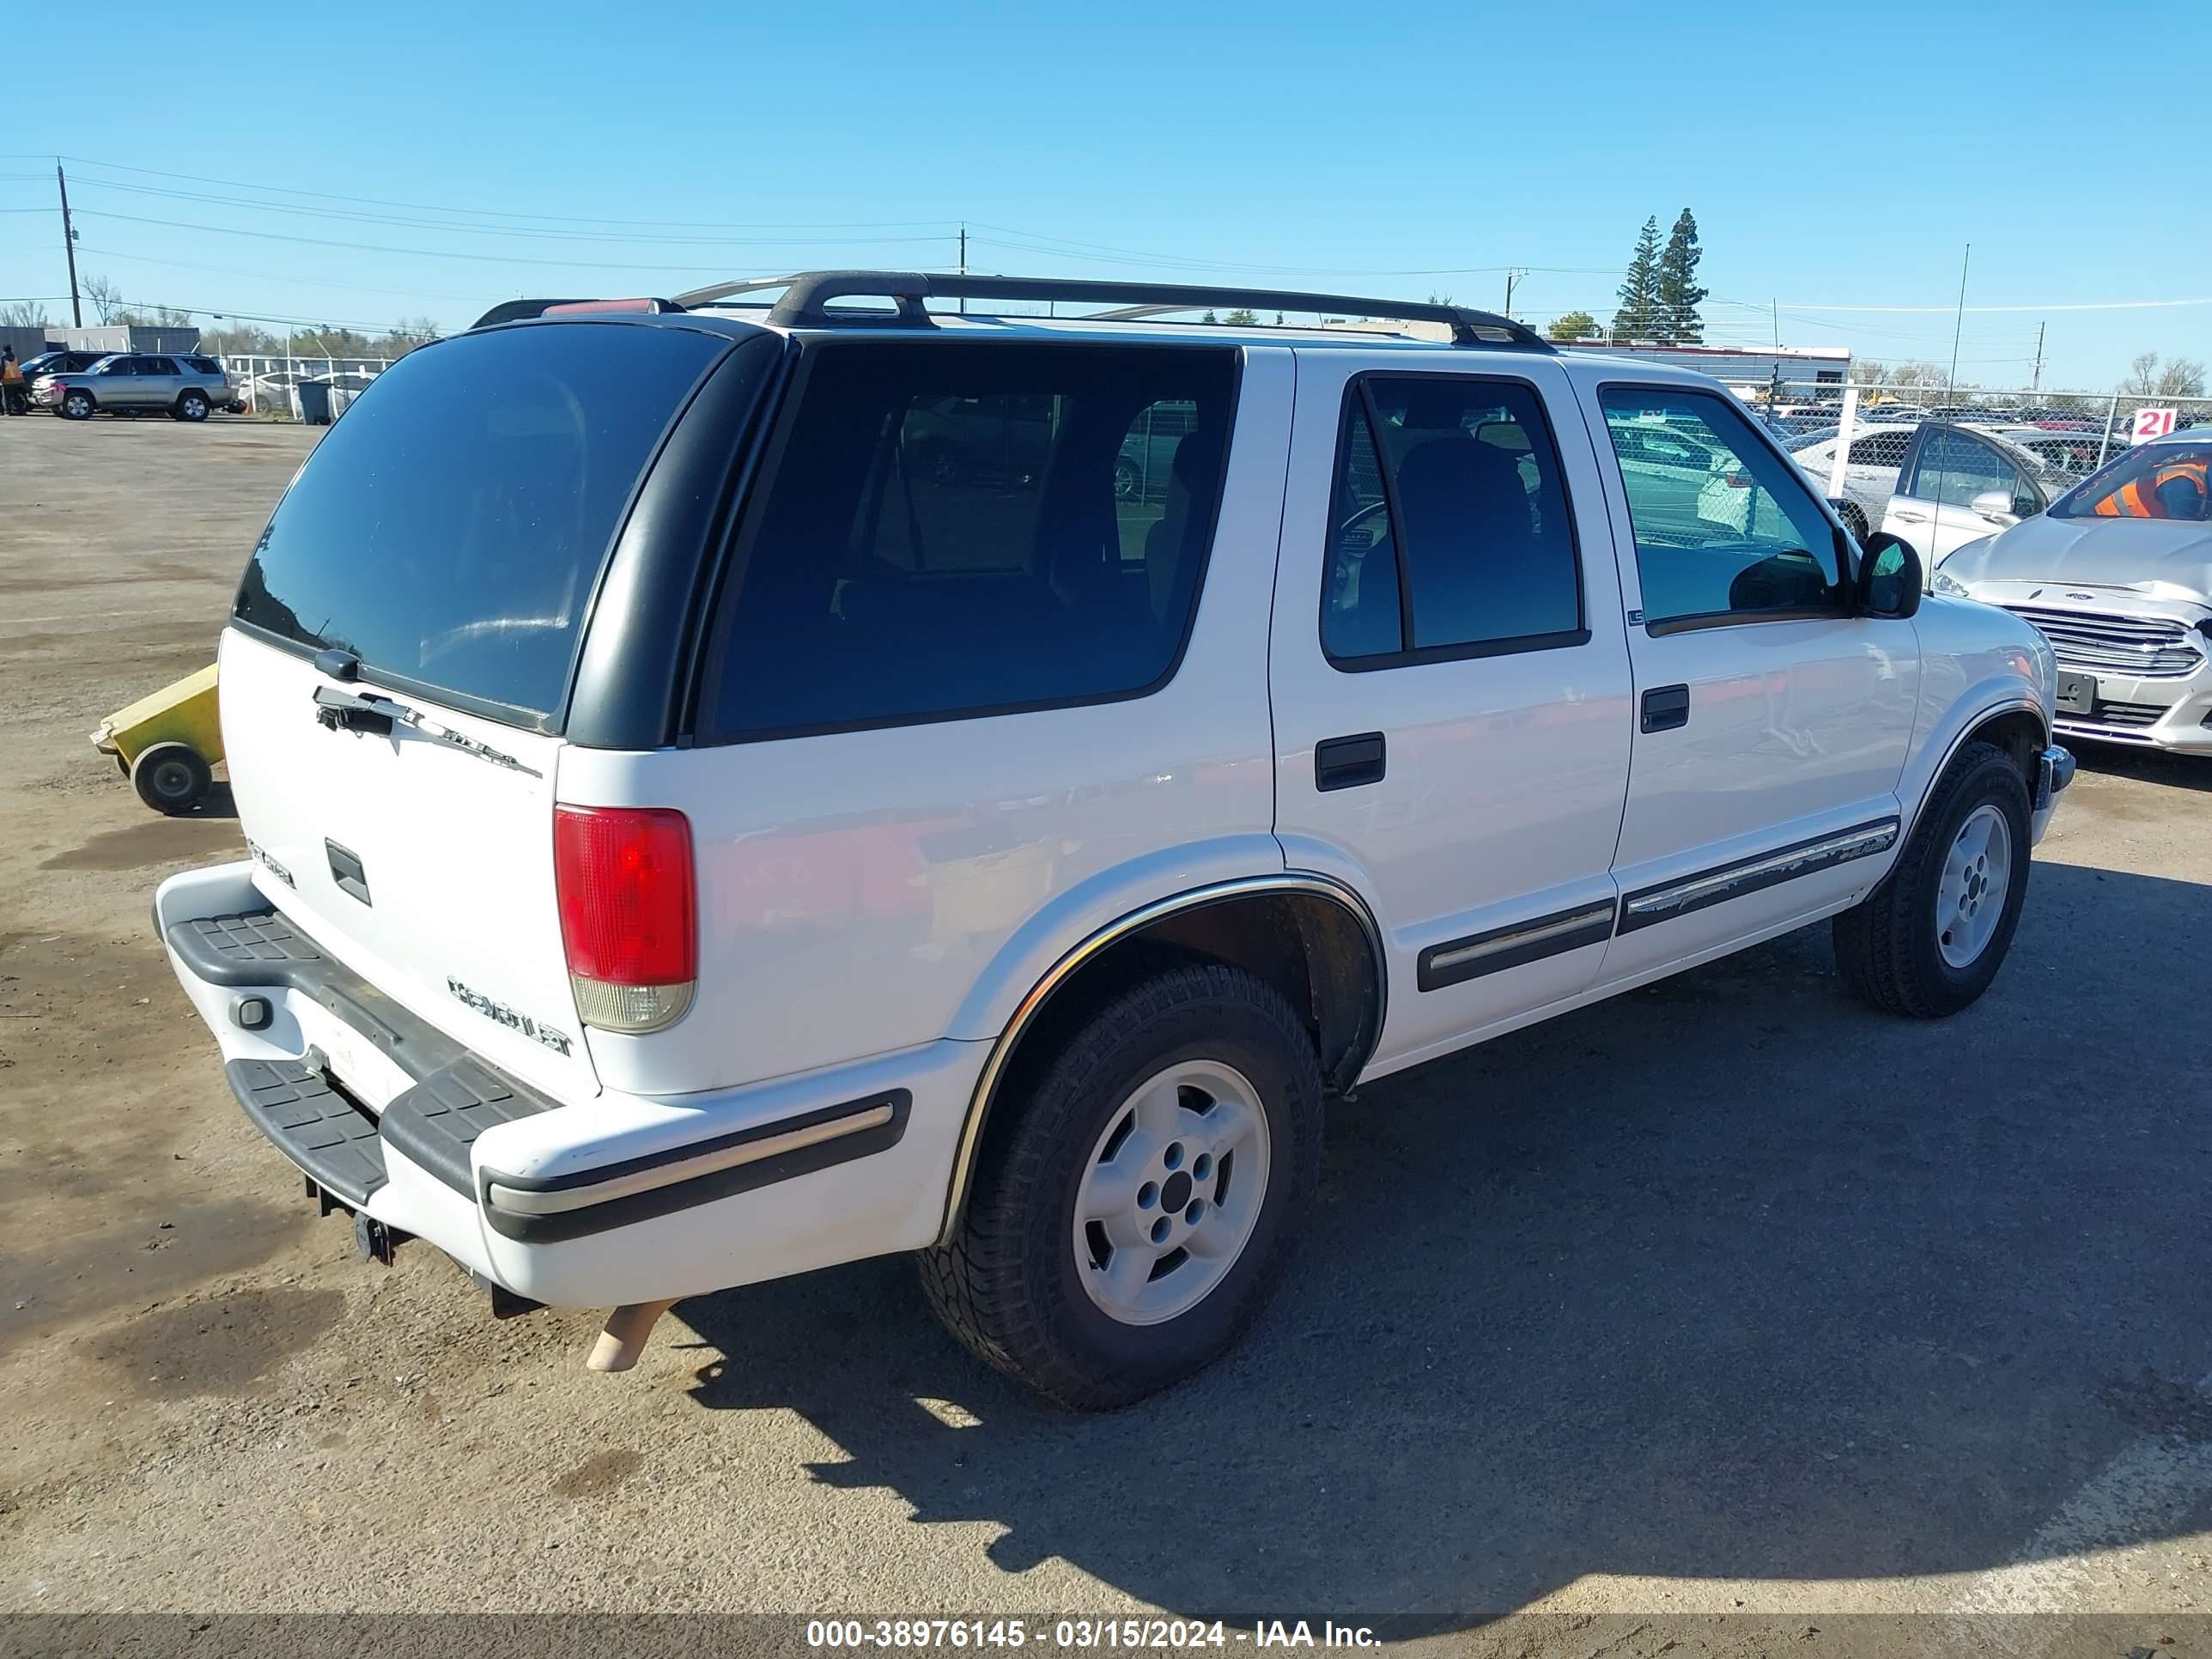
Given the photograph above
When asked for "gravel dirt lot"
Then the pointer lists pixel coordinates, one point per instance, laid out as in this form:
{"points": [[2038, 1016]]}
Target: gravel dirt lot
{"points": [[1712, 1315]]}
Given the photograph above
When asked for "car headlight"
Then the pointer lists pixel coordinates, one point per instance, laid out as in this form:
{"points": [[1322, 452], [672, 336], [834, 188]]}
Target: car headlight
{"points": [[1943, 581]]}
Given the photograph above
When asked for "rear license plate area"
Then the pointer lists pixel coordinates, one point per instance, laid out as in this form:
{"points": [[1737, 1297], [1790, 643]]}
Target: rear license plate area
{"points": [[2077, 694]]}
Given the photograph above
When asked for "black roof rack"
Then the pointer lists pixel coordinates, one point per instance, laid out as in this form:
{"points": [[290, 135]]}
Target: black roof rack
{"points": [[807, 296], [516, 311]]}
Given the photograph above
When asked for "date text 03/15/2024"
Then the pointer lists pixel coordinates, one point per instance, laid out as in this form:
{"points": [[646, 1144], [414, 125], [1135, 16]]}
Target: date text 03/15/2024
{"points": [[1082, 1633]]}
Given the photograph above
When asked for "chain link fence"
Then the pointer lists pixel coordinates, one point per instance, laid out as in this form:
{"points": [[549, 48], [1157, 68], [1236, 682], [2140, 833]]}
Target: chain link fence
{"points": [[271, 384], [1851, 440]]}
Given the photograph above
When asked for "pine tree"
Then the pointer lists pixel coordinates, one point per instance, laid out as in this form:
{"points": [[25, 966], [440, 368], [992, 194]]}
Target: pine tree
{"points": [[1679, 294], [1638, 316]]}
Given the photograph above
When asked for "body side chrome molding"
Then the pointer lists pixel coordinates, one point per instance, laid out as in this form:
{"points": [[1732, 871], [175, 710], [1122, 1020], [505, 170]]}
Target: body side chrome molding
{"points": [[1709, 887], [1514, 946], [987, 1085]]}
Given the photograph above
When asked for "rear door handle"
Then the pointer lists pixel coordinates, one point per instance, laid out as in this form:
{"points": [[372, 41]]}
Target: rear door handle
{"points": [[1348, 763], [1665, 707], [1909, 518]]}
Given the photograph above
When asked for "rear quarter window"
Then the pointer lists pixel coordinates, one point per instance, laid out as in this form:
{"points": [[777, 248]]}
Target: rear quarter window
{"points": [[450, 530], [951, 530]]}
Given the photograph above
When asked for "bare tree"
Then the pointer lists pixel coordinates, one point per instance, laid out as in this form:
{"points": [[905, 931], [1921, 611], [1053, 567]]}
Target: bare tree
{"points": [[2182, 378], [107, 299], [155, 316]]}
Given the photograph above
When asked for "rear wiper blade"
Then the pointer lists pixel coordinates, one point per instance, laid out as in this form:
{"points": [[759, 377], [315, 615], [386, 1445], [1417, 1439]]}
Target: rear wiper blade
{"points": [[349, 711]]}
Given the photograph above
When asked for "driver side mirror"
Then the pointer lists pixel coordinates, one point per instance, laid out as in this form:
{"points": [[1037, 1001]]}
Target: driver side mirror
{"points": [[1996, 505], [1890, 578]]}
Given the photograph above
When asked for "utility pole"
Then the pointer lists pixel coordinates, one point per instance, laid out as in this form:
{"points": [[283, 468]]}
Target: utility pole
{"points": [[964, 263], [69, 247], [1774, 308], [2036, 384], [1513, 277]]}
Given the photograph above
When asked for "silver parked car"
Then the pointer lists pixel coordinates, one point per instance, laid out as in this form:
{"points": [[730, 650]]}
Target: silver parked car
{"points": [[2118, 576], [184, 385]]}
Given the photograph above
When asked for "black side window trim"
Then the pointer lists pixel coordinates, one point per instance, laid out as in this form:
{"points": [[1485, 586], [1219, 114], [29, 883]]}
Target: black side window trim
{"points": [[1356, 391], [1844, 548], [736, 547]]}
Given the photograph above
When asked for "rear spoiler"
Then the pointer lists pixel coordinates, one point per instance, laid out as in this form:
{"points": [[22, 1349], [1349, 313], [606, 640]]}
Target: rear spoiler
{"points": [[517, 311]]}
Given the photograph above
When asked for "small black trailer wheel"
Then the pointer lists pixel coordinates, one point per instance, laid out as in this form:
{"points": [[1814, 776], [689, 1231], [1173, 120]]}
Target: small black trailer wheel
{"points": [[171, 777]]}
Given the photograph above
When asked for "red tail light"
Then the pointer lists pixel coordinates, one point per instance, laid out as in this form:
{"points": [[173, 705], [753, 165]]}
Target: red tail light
{"points": [[629, 912], [1738, 481]]}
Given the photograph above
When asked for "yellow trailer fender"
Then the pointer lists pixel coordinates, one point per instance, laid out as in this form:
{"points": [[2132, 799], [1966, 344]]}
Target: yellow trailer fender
{"points": [[167, 742]]}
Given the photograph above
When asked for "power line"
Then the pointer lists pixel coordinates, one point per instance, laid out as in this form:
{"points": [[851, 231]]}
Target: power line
{"points": [[294, 282], [420, 252], [623, 238], [497, 213]]}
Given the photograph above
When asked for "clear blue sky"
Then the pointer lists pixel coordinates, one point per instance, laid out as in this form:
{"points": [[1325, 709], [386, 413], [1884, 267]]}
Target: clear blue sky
{"points": [[1833, 156]]}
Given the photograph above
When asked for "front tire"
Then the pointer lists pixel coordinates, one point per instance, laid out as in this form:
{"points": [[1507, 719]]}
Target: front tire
{"points": [[77, 406], [1928, 940], [1130, 1215]]}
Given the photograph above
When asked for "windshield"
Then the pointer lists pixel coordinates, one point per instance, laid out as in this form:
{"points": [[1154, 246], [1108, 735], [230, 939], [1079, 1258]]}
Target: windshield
{"points": [[2154, 481], [1807, 440], [450, 530]]}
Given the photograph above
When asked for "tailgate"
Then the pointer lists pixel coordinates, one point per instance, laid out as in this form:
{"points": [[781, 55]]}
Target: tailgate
{"points": [[425, 867], [438, 555]]}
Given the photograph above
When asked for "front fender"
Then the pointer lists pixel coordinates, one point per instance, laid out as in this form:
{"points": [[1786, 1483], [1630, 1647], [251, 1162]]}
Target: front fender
{"points": [[1977, 662]]}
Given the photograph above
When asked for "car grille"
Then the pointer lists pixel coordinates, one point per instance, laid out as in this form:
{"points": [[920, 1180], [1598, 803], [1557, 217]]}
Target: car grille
{"points": [[2130, 714], [2146, 648]]}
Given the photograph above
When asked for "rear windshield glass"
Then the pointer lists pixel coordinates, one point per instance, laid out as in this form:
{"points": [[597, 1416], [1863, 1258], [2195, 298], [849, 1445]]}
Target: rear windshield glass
{"points": [[449, 530]]}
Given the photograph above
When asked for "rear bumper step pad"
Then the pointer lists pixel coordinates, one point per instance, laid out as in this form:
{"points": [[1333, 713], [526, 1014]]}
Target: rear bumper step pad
{"points": [[332, 1137]]}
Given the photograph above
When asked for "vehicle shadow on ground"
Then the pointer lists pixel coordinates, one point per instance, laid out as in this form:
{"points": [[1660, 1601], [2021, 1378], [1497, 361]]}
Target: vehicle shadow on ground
{"points": [[2159, 766], [1727, 1279]]}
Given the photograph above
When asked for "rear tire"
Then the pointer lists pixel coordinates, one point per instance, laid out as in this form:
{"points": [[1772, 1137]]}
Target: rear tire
{"points": [[171, 777], [1854, 519], [1927, 940], [192, 406], [1146, 1118]]}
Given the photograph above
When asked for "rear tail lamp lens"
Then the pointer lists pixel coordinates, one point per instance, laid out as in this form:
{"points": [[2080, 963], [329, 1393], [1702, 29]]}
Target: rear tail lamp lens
{"points": [[629, 914]]}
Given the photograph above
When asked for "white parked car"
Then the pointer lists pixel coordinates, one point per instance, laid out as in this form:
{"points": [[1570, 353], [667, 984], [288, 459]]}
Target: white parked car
{"points": [[692, 840], [2118, 576], [1870, 469]]}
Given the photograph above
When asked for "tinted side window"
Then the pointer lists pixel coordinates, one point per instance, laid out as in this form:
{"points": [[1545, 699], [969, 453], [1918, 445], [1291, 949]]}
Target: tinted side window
{"points": [[1450, 531], [960, 529], [1359, 612], [1740, 536], [156, 366], [202, 365]]}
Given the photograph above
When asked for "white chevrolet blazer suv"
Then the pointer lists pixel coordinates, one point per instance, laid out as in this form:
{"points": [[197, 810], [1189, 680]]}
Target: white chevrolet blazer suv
{"points": [[745, 783]]}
